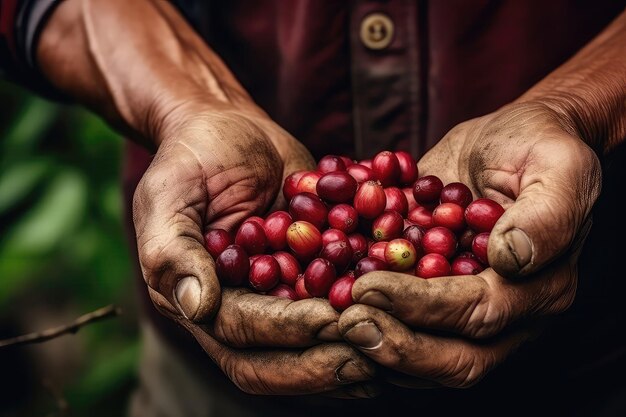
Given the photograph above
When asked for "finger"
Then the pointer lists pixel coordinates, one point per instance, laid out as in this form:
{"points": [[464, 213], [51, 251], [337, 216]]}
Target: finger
{"points": [[167, 209], [318, 369], [475, 306], [297, 158], [247, 319], [558, 185], [449, 361]]}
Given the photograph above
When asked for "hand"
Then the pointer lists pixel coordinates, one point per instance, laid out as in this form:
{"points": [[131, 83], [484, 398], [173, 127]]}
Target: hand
{"points": [[214, 170], [523, 157]]}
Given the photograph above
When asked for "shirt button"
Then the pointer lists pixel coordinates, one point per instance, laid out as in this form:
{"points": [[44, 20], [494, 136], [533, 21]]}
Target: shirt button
{"points": [[376, 31]]}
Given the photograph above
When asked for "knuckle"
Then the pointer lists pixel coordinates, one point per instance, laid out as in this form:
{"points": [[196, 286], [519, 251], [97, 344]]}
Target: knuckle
{"points": [[152, 258], [231, 327], [244, 375], [486, 320], [352, 315], [467, 371], [306, 314], [486, 314]]}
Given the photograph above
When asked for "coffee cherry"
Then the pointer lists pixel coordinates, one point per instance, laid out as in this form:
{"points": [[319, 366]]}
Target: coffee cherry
{"points": [[457, 193], [422, 217], [408, 168], [339, 253], [466, 238], [216, 241], [301, 291], [369, 264], [251, 237], [340, 294], [309, 208], [414, 234], [465, 266], [432, 265], [289, 267], [304, 240], [264, 273], [333, 235], [232, 266], [370, 199], [331, 163], [400, 255], [387, 168], [290, 186], [377, 250], [361, 173], [275, 228], [408, 193], [479, 247], [449, 215], [319, 277], [358, 243], [308, 182], [427, 189], [396, 201], [347, 161], [387, 226], [283, 291], [482, 214], [343, 217], [336, 187], [439, 240]]}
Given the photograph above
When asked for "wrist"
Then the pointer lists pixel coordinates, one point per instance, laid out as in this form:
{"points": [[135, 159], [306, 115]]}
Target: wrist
{"points": [[597, 116], [135, 63], [589, 90], [169, 113]]}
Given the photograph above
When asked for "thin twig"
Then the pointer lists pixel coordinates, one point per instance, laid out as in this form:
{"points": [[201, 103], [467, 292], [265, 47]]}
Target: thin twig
{"points": [[39, 337]]}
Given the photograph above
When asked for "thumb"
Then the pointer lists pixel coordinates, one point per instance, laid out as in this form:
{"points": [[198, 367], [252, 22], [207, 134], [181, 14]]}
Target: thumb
{"points": [[558, 188], [296, 158], [170, 246]]}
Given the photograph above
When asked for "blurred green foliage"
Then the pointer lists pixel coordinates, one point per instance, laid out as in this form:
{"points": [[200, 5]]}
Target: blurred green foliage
{"points": [[62, 241]]}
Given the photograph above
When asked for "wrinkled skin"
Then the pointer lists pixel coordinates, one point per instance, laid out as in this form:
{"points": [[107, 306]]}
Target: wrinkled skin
{"points": [[214, 170], [529, 160]]}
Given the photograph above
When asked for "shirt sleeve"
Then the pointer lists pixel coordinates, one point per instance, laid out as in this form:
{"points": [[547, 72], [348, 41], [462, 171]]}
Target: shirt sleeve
{"points": [[21, 22]]}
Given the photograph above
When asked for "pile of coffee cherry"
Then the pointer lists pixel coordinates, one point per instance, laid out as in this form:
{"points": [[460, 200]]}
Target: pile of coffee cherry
{"points": [[348, 218]]}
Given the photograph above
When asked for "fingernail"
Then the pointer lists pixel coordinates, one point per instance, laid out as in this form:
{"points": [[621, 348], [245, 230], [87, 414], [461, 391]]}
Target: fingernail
{"points": [[365, 335], [187, 295], [520, 246], [376, 299], [329, 333], [350, 372]]}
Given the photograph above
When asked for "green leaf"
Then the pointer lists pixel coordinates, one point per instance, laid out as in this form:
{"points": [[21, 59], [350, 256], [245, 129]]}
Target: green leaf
{"points": [[30, 125], [107, 372], [39, 231], [58, 212], [19, 180]]}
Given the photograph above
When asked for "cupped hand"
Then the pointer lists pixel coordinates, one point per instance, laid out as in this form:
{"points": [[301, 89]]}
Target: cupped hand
{"points": [[527, 159], [212, 170]]}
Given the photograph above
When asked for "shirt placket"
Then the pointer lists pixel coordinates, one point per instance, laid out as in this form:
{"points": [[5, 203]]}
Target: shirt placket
{"points": [[388, 56]]}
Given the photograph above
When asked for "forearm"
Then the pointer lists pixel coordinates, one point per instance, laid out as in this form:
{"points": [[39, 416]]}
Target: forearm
{"points": [[134, 62], [589, 90]]}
